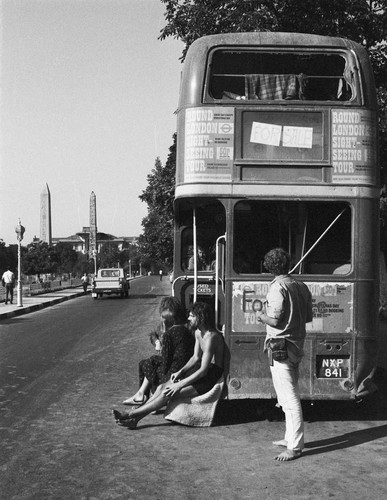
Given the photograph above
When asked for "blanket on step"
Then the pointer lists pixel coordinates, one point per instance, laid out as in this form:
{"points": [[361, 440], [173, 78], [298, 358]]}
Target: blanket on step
{"points": [[198, 411]]}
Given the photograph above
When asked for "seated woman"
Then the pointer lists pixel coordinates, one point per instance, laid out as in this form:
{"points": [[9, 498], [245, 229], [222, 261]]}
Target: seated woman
{"points": [[197, 376], [177, 346]]}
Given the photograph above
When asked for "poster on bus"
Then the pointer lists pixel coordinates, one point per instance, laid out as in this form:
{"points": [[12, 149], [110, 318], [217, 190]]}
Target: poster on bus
{"points": [[332, 304], [209, 144], [353, 147]]}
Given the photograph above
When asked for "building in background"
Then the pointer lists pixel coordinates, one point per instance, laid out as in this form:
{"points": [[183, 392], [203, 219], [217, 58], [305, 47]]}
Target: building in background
{"points": [[81, 241]]}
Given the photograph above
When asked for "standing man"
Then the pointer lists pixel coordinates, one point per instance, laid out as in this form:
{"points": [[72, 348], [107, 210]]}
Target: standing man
{"points": [[8, 281], [161, 274], [288, 309]]}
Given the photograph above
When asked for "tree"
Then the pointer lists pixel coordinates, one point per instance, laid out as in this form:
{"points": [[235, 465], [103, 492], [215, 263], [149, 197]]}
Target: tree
{"points": [[65, 256], [130, 253], [362, 20], [40, 258], [156, 242], [8, 257], [109, 255]]}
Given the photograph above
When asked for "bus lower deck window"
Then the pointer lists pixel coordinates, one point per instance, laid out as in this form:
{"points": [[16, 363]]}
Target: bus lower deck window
{"points": [[318, 233]]}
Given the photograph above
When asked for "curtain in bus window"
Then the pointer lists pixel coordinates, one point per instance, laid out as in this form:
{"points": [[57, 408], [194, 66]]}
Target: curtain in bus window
{"points": [[271, 87]]}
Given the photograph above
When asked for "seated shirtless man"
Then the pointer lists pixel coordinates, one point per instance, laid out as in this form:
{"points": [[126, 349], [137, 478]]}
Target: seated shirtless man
{"points": [[198, 375]]}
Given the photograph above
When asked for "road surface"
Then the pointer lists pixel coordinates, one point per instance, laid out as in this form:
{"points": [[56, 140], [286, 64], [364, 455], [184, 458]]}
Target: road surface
{"points": [[64, 368]]}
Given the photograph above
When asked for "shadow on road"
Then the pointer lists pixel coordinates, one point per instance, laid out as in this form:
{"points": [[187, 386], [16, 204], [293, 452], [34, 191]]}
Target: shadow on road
{"points": [[346, 440]]}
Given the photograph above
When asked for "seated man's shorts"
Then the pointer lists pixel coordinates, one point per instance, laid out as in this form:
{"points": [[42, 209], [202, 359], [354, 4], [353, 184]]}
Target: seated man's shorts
{"points": [[207, 382]]}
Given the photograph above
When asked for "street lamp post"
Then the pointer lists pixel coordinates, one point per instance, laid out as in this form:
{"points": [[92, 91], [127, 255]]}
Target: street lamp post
{"points": [[19, 234]]}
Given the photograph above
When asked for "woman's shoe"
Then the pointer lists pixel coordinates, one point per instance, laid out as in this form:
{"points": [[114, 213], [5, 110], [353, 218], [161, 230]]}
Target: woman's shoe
{"points": [[130, 422], [119, 416], [131, 401]]}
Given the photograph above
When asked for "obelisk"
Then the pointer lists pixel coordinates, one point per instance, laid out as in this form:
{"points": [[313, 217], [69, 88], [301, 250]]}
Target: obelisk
{"points": [[93, 222], [45, 216]]}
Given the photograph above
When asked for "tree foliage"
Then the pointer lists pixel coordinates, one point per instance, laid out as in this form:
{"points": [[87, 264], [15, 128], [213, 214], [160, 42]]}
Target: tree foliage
{"points": [[8, 257], [363, 21], [156, 242], [65, 257], [40, 258], [109, 255]]}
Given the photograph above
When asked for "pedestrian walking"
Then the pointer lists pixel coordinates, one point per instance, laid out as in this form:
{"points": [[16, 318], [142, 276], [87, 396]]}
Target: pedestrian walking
{"points": [[161, 274], [8, 281], [288, 308], [85, 282]]}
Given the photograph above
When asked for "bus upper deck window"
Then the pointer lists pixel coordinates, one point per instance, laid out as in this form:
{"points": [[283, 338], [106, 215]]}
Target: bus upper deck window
{"points": [[256, 75]]}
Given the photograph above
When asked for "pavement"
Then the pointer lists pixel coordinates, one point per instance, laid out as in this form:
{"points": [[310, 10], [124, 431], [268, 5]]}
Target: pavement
{"points": [[36, 302]]}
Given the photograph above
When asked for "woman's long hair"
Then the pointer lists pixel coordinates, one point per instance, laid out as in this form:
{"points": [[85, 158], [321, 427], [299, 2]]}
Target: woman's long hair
{"points": [[172, 312]]}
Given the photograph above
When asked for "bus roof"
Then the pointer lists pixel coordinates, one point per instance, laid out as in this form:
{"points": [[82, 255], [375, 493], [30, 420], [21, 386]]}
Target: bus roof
{"points": [[196, 60], [274, 39]]}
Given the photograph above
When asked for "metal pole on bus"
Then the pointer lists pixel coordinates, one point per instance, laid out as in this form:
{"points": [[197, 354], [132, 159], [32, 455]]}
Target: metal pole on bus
{"points": [[318, 239], [195, 256]]}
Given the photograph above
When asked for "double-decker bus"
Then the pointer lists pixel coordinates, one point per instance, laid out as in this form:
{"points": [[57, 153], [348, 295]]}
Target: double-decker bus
{"points": [[277, 147]]}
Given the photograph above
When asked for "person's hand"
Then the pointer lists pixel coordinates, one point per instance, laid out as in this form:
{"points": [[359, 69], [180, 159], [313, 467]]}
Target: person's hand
{"points": [[175, 377], [172, 389]]}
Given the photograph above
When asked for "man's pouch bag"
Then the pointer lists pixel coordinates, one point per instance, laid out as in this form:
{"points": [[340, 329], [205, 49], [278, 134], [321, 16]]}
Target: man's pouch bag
{"points": [[278, 349]]}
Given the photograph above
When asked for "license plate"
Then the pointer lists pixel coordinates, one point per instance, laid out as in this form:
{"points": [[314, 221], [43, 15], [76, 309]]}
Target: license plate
{"points": [[332, 366]]}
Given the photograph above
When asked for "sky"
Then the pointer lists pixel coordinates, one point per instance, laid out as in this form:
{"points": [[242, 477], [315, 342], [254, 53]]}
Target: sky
{"points": [[88, 95]]}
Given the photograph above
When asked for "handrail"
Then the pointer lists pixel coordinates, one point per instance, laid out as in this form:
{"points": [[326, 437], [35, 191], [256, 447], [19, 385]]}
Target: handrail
{"points": [[217, 280]]}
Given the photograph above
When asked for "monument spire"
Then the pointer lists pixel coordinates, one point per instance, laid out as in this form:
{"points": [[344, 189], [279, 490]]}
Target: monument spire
{"points": [[45, 215], [93, 222]]}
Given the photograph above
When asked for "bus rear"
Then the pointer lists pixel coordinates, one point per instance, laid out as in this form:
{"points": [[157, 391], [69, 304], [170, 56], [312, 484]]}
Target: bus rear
{"points": [[277, 147]]}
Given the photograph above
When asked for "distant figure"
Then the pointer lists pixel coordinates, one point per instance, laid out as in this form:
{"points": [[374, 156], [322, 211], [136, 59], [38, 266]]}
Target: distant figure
{"points": [[8, 281], [161, 274], [85, 282]]}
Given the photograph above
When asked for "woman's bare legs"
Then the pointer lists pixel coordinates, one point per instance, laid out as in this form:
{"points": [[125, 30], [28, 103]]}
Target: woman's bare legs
{"points": [[142, 392], [156, 402]]}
